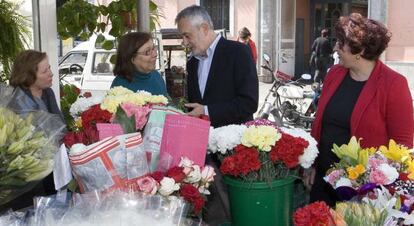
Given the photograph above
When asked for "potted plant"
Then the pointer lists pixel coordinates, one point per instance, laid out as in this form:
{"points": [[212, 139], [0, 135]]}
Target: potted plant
{"points": [[79, 18], [13, 40], [259, 162]]}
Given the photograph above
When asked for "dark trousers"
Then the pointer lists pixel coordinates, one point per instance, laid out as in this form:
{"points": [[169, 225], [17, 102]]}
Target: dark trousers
{"points": [[322, 65], [45, 187], [217, 208]]}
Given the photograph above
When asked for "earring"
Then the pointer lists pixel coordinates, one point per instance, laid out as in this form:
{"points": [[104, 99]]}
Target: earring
{"points": [[358, 57]]}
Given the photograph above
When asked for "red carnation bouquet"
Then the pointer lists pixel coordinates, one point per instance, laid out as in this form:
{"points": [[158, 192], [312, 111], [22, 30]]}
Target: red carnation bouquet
{"points": [[317, 214], [261, 152]]}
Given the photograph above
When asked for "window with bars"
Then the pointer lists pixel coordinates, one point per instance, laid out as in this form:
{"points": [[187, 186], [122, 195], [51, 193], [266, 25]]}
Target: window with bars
{"points": [[219, 11]]}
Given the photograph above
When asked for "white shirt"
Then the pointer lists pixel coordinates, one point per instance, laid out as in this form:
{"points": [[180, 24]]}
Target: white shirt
{"points": [[204, 64]]}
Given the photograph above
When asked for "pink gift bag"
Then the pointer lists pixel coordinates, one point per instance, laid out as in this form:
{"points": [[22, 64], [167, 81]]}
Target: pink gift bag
{"points": [[183, 136]]}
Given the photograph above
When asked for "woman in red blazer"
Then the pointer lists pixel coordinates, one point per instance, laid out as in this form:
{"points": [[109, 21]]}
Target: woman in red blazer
{"points": [[361, 97]]}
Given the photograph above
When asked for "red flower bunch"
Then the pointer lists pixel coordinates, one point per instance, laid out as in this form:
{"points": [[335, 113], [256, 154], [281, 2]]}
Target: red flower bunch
{"points": [[242, 162], [88, 134], [176, 173], [193, 196], [95, 115], [187, 180], [315, 214], [288, 150]]}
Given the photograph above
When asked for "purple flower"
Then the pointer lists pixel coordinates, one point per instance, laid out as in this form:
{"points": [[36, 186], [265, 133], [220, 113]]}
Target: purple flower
{"points": [[260, 122]]}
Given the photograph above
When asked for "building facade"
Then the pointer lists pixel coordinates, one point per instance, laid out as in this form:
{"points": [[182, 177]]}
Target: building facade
{"points": [[285, 29]]}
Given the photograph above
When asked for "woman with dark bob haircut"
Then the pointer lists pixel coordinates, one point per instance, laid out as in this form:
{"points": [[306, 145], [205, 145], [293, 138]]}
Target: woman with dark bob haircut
{"points": [[361, 97], [135, 64]]}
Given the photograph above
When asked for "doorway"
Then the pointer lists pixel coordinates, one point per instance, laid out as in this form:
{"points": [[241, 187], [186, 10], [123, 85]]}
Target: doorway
{"points": [[299, 47]]}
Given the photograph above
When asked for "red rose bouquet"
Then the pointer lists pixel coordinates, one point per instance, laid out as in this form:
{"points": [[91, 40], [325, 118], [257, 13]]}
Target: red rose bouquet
{"points": [[186, 180]]}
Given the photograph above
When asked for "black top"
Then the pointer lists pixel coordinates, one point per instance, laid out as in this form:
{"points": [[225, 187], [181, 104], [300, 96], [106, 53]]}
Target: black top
{"points": [[336, 121], [322, 47]]}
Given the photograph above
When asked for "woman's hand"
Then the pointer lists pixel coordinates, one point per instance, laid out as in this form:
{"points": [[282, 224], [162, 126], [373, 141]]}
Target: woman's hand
{"points": [[308, 177]]}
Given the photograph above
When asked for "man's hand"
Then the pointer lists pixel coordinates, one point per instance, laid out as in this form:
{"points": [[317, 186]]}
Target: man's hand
{"points": [[309, 177], [197, 109]]}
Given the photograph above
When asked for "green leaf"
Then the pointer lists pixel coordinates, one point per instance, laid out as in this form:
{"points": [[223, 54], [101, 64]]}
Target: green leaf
{"points": [[127, 123], [104, 10], [153, 6], [102, 26], [113, 59], [100, 38], [84, 36], [108, 45]]}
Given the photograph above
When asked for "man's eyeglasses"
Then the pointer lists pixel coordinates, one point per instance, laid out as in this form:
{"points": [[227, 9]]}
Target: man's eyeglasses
{"points": [[149, 51]]}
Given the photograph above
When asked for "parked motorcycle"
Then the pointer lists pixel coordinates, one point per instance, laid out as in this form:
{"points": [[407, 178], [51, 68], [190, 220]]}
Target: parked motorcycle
{"points": [[287, 101]]}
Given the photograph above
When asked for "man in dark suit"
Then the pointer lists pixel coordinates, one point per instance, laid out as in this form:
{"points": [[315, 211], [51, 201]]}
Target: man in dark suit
{"points": [[222, 83], [222, 80]]}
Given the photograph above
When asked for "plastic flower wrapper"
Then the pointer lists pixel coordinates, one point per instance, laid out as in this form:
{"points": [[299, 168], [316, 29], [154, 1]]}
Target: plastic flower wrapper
{"points": [[28, 143], [115, 208], [363, 214], [110, 164], [14, 218], [396, 206], [261, 152]]}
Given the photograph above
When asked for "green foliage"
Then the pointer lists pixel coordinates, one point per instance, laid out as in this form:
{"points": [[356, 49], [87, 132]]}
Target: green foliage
{"points": [[78, 18], [69, 94], [14, 36], [127, 123], [181, 104]]}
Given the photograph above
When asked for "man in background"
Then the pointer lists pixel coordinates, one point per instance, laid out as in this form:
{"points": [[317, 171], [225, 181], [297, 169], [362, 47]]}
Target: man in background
{"points": [[321, 52]]}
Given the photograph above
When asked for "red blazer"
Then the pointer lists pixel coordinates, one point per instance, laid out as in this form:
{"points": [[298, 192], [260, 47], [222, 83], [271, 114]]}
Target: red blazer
{"points": [[383, 111]]}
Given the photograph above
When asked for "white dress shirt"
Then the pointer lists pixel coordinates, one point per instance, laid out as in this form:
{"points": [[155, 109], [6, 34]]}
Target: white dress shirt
{"points": [[204, 64]]}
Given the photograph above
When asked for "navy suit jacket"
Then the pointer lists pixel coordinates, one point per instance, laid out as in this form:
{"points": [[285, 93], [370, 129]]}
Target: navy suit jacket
{"points": [[232, 91]]}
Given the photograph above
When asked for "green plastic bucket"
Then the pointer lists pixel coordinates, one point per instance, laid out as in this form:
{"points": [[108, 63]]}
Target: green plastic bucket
{"points": [[261, 203]]}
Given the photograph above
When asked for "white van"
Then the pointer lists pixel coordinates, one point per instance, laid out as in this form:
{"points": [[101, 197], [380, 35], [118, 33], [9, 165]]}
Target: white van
{"points": [[88, 66]]}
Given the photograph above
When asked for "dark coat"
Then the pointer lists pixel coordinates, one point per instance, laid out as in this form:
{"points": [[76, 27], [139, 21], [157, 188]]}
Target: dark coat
{"points": [[231, 93]]}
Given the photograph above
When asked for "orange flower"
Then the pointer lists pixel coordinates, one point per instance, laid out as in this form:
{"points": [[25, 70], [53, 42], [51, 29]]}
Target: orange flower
{"points": [[355, 172]]}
